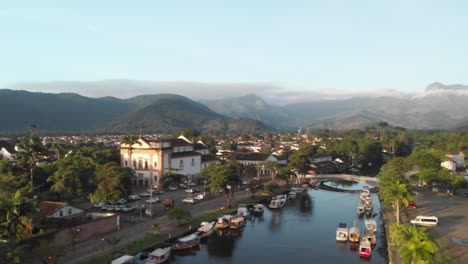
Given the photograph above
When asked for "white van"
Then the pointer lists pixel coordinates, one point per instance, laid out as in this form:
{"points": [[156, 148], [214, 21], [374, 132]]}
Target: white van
{"points": [[425, 220]]}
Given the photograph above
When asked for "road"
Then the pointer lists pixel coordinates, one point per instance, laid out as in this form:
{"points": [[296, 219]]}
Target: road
{"points": [[133, 227], [452, 212]]}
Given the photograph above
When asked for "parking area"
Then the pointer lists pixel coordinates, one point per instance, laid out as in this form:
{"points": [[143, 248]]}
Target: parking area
{"points": [[452, 212]]}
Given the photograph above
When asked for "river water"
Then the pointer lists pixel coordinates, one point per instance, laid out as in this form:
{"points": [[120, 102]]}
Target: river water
{"points": [[301, 232]]}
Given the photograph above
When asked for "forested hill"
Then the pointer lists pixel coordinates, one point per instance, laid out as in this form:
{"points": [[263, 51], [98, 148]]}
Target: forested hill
{"points": [[73, 112]]}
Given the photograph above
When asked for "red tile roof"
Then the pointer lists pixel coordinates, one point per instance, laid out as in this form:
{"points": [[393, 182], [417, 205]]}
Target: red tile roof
{"points": [[48, 208]]}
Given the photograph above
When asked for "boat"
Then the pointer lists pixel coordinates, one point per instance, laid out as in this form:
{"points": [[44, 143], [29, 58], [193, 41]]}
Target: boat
{"points": [[237, 222], [206, 229], [159, 255], [365, 249], [371, 225], [366, 190], [243, 211], [186, 242], [360, 209], [369, 236], [368, 209], [342, 232], [224, 221], [258, 209], [125, 259], [292, 194], [354, 233], [278, 201]]}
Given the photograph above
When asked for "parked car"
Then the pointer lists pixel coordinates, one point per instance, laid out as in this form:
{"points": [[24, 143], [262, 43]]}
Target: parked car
{"points": [[199, 197], [153, 200], [134, 197], [411, 206], [122, 201], [183, 185], [146, 194], [99, 205], [192, 184], [465, 194], [189, 191], [173, 188], [188, 200], [128, 208]]}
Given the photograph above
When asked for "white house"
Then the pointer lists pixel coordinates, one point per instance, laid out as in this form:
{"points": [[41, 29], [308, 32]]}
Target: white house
{"points": [[7, 154], [449, 165], [458, 158], [152, 159], [59, 210]]}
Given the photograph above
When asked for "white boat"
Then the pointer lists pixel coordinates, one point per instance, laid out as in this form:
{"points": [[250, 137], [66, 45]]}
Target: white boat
{"points": [[292, 194], [278, 201], [368, 209], [243, 211], [206, 229], [237, 223], [125, 259], [354, 233], [186, 242], [224, 221], [159, 255], [360, 209], [342, 232], [258, 209], [371, 225], [365, 191]]}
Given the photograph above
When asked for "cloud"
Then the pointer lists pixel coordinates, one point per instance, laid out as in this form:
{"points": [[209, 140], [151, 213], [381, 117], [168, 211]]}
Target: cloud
{"points": [[274, 93]]}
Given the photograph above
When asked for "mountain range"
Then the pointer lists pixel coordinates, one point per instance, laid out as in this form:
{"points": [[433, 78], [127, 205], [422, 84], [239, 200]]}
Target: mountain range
{"points": [[440, 107]]}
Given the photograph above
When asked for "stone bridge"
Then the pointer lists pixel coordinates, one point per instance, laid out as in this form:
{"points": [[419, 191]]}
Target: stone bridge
{"points": [[347, 177]]}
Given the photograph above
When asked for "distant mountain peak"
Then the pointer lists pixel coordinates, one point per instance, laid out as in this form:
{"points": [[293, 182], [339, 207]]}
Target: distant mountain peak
{"points": [[437, 86]]}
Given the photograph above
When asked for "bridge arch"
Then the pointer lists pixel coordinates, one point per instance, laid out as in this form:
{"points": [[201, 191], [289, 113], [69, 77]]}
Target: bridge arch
{"points": [[347, 177]]}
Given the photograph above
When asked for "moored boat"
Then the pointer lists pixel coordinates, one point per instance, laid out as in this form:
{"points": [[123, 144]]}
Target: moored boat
{"points": [[206, 229], [237, 223], [278, 201], [159, 255], [224, 221], [360, 209], [365, 249], [354, 233], [186, 242], [369, 236], [342, 232], [371, 225], [258, 209], [243, 211]]}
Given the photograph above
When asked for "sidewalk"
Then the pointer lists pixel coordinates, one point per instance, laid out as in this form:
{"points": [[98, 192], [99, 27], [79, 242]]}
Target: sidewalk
{"points": [[95, 247]]}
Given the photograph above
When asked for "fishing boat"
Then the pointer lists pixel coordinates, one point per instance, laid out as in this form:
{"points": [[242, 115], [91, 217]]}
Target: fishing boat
{"points": [[365, 249], [237, 223], [160, 255], [342, 232], [368, 208], [186, 242], [371, 225], [258, 209], [206, 229], [292, 194], [278, 201], [360, 209], [365, 190], [354, 233], [224, 221], [369, 236]]}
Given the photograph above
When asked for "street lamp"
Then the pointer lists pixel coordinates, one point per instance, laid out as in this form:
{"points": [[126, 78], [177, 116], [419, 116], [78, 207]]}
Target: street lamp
{"points": [[204, 188]]}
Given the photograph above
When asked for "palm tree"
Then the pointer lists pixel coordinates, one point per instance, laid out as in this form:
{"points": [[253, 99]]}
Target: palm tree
{"points": [[57, 148], [156, 227], [19, 214], [30, 154], [397, 193], [414, 243], [383, 131]]}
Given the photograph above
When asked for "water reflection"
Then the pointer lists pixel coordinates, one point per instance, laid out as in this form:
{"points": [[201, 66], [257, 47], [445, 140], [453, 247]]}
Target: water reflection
{"points": [[275, 220], [222, 244], [306, 204]]}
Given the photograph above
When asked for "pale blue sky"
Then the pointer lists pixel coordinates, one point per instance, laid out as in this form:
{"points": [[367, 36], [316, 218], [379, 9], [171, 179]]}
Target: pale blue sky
{"points": [[305, 45]]}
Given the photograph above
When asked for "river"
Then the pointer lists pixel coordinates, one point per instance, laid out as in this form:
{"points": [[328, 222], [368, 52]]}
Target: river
{"points": [[301, 232]]}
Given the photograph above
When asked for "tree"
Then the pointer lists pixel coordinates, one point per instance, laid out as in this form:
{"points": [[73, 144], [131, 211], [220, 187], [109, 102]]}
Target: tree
{"points": [[414, 243], [396, 193], [114, 182], [156, 228], [225, 176], [272, 167], [254, 186], [179, 214], [113, 241], [58, 148], [30, 153]]}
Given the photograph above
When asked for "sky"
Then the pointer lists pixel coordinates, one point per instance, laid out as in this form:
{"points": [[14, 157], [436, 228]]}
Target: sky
{"points": [[251, 46]]}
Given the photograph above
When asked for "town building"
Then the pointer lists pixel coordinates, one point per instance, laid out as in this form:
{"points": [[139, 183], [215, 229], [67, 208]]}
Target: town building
{"points": [[152, 159]]}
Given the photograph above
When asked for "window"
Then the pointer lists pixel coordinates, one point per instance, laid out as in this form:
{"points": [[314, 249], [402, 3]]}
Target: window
{"points": [[146, 164], [193, 162], [126, 163], [134, 164], [155, 164], [140, 164], [61, 213], [181, 164], [69, 211]]}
